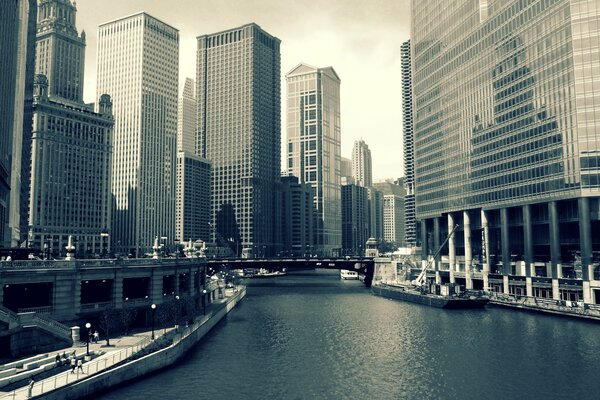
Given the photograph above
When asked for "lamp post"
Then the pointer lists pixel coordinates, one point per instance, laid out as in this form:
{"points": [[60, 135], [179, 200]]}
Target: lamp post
{"points": [[153, 306], [204, 301], [87, 350]]}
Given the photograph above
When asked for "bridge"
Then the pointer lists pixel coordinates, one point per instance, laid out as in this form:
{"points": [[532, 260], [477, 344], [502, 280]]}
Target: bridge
{"points": [[362, 265]]}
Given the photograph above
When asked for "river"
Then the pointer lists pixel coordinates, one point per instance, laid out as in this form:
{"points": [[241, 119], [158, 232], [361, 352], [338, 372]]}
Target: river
{"points": [[309, 335]]}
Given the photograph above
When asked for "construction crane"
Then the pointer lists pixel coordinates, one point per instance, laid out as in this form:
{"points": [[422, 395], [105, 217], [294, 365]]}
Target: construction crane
{"points": [[420, 281]]}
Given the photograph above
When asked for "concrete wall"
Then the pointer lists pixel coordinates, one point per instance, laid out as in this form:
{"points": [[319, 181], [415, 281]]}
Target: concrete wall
{"points": [[147, 364]]}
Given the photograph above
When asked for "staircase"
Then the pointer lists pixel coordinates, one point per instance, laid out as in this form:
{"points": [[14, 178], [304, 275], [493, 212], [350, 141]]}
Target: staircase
{"points": [[31, 319]]}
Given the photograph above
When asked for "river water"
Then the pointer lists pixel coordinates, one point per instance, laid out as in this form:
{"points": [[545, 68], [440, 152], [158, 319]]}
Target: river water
{"points": [[309, 335]]}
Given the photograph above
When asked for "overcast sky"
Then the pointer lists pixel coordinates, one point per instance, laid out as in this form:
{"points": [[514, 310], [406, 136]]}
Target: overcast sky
{"points": [[359, 39]]}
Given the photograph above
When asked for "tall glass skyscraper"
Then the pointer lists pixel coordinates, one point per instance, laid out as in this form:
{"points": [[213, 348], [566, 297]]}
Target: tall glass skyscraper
{"points": [[138, 64], [314, 146], [506, 142], [362, 170], [239, 131]]}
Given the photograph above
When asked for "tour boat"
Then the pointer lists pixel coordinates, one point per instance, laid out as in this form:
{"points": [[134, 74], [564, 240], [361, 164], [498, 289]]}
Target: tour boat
{"points": [[346, 274], [263, 273]]}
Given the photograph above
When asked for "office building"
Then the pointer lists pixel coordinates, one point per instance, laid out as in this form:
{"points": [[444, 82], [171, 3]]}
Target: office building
{"points": [[375, 214], [186, 118], [355, 219], [314, 146], [239, 131], [410, 222], [346, 167], [145, 50], [505, 124], [70, 174], [362, 171], [17, 29], [298, 218], [192, 211], [393, 219]]}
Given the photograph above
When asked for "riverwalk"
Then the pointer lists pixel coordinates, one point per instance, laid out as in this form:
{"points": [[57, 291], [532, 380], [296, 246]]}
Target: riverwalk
{"points": [[122, 351]]}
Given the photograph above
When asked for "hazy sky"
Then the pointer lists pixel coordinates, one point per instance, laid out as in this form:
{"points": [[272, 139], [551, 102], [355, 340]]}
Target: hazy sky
{"points": [[359, 39]]}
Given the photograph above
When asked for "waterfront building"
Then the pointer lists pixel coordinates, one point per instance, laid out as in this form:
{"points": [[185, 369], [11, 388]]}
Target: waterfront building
{"points": [[362, 171], [192, 211], [146, 51], [314, 146], [393, 219], [186, 118], [70, 174], [17, 20], [505, 127], [355, 219], [298, 217], [410, 222], [239, 131]]}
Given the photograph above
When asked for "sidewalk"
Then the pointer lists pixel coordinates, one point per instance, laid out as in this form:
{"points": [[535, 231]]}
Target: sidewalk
{"points": [[120, 349]]}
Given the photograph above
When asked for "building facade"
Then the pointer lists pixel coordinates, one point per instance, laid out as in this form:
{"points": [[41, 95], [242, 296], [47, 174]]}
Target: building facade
{"points": [[410, 221], [186, 118], [362, 170], [239, 131], [505, 143], [346, 167], [375, 214], [192, 211], [393, 219], [298, 218], [314, 146], [355, 219], [70, 175], [146, 51]]}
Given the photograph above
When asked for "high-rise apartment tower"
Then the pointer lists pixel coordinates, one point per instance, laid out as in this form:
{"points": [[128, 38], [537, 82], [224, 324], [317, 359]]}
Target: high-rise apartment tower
{"points": [[362, 171]]}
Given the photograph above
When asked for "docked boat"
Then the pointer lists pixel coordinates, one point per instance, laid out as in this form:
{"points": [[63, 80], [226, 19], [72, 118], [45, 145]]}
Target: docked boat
{"points": [[347, 274], [437, 295]]}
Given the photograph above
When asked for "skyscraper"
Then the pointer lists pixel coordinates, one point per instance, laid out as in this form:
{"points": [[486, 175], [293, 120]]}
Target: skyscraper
{"points": [[355, 219], [14, 30], [145, 50], [410, 222], [362, 171], [186, 118], [239, 131], [60, 49], [314, 146], [505, 143]]}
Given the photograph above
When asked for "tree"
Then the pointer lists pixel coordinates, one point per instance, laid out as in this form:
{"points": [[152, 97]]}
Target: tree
{"points": [[108, 321], [128, 314]]}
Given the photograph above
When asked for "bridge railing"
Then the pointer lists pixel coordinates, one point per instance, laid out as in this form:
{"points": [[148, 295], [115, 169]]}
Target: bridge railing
{"points": [[101, 263]]}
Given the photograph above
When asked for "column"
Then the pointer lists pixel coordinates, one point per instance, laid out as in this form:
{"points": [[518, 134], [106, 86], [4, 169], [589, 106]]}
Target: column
{"points": [[528, 249], [424, 243], [555, 260], [505, 238], [436, 247], [468, 250], [451, 248], [585, 243], [156, 286], [485, 249], [118, 289]]}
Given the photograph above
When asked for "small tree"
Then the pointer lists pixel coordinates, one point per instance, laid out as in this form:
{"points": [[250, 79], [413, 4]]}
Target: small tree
{"points": [[128, 315], [189, 305], [108, 321]]}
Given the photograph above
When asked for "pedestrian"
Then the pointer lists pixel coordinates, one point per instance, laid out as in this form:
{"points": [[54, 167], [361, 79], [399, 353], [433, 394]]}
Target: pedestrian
{"points": [[57, 360], [73, 364], [65, 359], [80, 366], [96, 336]]}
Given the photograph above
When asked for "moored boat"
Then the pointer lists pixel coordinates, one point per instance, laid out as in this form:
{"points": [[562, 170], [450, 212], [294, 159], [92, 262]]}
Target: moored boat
{"points": [[264, 273], [347, 274], [419, 295]]}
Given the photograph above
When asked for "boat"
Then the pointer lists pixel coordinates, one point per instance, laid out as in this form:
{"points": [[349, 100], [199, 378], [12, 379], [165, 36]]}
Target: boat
{"points": [[347, 274], [438, 295], [264, 273], [441, 295]]}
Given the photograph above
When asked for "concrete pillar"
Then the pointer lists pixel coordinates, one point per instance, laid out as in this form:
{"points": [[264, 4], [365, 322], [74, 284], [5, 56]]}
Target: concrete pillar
{"points": [[190, 282], [485, 249], [555, 289], [505, 284], [529, 286], [585, 237], [156, 288], [505, 238], [451, 248], [554, 240], [424, 243], [528, 240], [118, 289], [468, 251], [176, 283], [587, 293]]}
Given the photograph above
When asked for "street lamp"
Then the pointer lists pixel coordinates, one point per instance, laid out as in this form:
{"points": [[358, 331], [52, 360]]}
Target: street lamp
{"points": [[87, 350], [204, 301], [153, 306]]}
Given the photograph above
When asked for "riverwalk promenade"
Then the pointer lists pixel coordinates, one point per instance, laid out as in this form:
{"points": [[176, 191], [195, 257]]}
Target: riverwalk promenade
{"points": [[122, 354]]}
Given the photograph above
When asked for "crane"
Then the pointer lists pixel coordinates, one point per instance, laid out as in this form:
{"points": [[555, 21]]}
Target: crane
{"points": [[420, 281]]}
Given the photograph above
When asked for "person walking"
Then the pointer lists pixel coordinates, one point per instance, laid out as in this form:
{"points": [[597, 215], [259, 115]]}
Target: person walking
{"points": [[80, 366], [30, 388], [57, 360], [73, 364], [96, 336]]}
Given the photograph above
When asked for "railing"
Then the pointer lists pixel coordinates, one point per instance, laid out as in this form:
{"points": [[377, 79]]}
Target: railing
{"points": [[45, 322], [100, 364], [38, 310], [96, 306], [97, 263]]}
